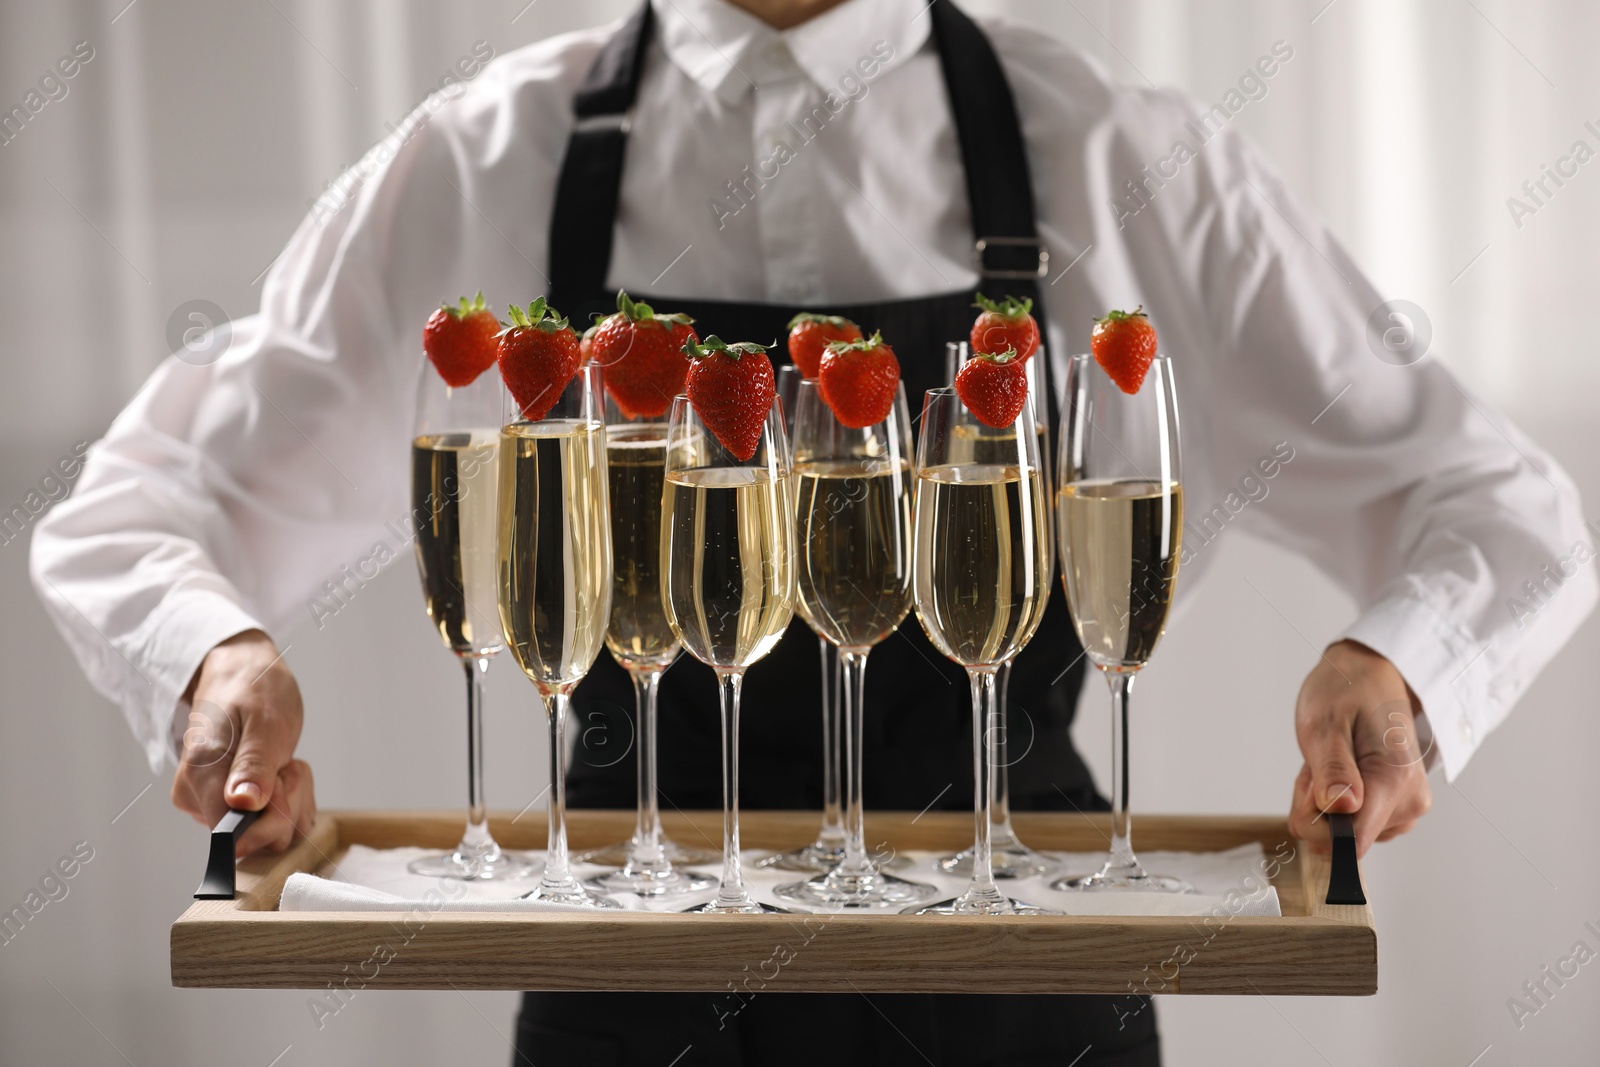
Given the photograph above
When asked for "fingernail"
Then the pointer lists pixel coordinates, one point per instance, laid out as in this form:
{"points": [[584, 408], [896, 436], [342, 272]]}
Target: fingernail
{"points": [[1334, 792], [246, 791]]}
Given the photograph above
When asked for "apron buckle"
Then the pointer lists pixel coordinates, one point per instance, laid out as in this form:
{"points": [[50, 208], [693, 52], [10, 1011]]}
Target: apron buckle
{"points": [[980, 258], [622, 122]]}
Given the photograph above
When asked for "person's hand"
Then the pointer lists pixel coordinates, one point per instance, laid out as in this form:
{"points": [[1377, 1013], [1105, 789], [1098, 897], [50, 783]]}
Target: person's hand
{"points": [[1356, 723], [238, 744]]}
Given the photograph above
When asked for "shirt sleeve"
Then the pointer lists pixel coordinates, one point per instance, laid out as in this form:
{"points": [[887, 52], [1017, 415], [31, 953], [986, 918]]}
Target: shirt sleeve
{"points": [[1462, 541], [222, 494], [266, 488]]}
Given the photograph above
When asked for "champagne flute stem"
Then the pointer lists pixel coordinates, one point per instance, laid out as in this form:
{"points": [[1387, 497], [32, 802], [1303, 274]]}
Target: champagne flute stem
{"points": [[646, 851], [476, 842], [1002, 834], [1122, 859], [855, 863], [984, 722], [832, 727], [731, 892], [557, 869]]}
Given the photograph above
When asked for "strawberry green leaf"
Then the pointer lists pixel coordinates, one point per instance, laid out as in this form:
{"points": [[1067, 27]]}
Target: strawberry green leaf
{"points": [[540, 316], [997, 357], [866, 344], [714, 345], [638, 311], [463, 307], [812, 316], [1124, 316], [1008, 307]]}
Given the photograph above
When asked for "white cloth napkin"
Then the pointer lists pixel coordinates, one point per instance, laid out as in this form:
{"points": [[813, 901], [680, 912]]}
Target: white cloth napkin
{"points": [[1228, 884]]}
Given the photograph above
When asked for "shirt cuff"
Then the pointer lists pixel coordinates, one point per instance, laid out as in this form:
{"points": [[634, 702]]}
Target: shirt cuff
{"points": [[1435, 657], [170, 646]]}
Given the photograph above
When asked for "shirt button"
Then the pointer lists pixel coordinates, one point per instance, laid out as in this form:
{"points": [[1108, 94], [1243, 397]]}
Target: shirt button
{"points": [[1467, 733]]}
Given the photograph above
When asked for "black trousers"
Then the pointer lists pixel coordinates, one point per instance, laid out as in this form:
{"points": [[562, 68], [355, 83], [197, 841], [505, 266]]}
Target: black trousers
{"points": [[778, 1029]]}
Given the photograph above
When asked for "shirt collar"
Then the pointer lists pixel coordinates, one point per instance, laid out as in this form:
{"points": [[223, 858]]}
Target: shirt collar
{"points": [[728, 51]]}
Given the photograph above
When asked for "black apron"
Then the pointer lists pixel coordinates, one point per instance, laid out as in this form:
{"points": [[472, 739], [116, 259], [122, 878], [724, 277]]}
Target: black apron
{"points": [[918, 713]]}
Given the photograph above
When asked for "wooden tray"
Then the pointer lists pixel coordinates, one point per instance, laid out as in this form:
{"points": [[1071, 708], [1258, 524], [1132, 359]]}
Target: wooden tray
{"points": [[1313, 949]]}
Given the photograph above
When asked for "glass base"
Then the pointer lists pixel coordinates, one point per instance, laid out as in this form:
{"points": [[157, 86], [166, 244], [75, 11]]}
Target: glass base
{"points": [[1011, 861], [865, 892], [969, 903], [572, 895], [1136, 880], [744, 907], [677, 855], [814, 858], [817, 858], [649, 883], [496, 866]]}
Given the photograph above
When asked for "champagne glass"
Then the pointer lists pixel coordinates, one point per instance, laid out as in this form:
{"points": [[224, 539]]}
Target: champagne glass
{"points": [[853, 532], [641, 642], [981, 582], [453, 479], [554, 554], [1008, 857], [1120, 520], [824, 853], [727, 543]]}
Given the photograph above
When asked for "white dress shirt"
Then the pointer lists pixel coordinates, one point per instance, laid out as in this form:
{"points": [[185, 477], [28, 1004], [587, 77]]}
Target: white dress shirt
{"points": [[242, 493]]}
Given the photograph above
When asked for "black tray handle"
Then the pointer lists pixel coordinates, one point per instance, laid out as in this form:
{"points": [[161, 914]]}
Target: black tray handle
{"points": [[1344, 876], [218, 882]]}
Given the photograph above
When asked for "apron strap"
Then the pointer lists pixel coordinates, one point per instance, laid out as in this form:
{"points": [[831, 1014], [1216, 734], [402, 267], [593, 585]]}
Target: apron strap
{"points": [[583, 221], [1007, 252]]}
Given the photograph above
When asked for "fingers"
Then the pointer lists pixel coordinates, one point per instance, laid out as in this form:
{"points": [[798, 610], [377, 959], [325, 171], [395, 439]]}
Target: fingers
{"points": [[1355, 721], [1308, 820], [1302, 812], [255, 768], [288, 814], [1396, 798], [243, 725], [1330, 754], [1397, 791], [203, 761], [1396, 830]]}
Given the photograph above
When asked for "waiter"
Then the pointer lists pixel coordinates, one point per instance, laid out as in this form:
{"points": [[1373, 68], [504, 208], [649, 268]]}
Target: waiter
{"points": [[886, 160]]}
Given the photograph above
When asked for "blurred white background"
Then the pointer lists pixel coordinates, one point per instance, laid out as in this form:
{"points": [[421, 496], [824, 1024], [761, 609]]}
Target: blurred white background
{"points": [[188, 148]]}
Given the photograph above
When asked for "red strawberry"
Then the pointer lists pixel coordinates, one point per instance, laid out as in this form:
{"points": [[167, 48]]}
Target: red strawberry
{"points": [[1123, 344], [642, 353], [586, 345], [539, 354], [460, 341], [858, 381], [1008, 324], [810, 334], [994, 386], [731, 388]]}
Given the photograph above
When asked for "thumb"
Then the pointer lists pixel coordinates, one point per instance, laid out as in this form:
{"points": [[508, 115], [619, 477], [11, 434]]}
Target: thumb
{"points": [[255, 767], [1335, 775]]}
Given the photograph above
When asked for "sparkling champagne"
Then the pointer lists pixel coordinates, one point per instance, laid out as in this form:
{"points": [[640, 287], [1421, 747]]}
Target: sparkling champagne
{"points": [[854, 535], [639, 634], [1120, 542], [453, 483], [982, 559], [729, 553], [554, 548]]}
